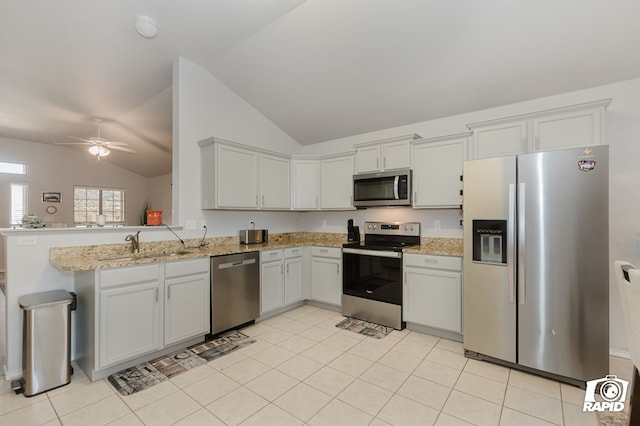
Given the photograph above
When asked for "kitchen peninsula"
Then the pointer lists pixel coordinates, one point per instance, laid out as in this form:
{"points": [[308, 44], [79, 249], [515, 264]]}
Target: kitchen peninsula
{"points": [[137, 306], [83, 258]]}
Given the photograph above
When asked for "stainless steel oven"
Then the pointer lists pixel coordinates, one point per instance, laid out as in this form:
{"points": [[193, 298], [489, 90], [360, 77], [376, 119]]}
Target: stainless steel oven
{"points": [[372, 272]]}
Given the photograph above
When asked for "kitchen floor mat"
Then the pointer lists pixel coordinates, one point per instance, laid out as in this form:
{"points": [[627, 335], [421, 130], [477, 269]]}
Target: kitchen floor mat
{"points": [[364, 327], [147, 374]]}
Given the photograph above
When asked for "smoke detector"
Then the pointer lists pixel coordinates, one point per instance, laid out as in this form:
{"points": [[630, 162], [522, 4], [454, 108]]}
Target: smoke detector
{"points": [[146, 26]]}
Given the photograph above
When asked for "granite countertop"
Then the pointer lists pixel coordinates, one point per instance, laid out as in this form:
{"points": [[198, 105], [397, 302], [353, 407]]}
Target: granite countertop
{"points": [[438, 246], [103, 256]]}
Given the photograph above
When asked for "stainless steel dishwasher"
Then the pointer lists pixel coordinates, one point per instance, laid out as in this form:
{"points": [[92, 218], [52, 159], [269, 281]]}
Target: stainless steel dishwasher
{"points": [[235, 290]]}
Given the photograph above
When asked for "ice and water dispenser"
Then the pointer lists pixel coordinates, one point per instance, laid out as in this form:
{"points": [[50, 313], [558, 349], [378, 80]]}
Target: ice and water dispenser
{"points": [[490, 241]]}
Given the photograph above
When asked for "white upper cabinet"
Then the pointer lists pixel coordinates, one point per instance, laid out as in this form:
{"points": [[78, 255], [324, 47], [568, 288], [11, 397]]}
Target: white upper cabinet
{"points": [[275, 182], [305, 185], [336, 182], [559, 128], [568, 130], [236, 177], [437, 168], [499, 140], [387, 154], [368, 159]]}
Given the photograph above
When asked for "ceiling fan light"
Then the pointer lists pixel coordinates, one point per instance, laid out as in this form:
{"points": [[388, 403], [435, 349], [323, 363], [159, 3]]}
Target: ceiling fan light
{"points": [[99, 151], [146, 26]]}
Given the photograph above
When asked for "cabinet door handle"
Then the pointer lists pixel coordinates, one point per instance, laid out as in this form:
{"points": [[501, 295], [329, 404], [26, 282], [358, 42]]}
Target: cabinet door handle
{"points": [[281, 269], [169, 292], [432, 261], [287, 269], [377, 163], [338, 269], [157, 293], [324, 250], [256, 201], [263, 201], [384, 163]]}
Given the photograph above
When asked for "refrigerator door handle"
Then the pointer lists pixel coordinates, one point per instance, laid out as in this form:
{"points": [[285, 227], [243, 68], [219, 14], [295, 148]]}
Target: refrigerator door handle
{"points": [[511, 246], [521, 243]]}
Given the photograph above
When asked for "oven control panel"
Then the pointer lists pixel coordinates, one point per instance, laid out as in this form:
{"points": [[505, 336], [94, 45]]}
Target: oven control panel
{"points": [[392, 228]]}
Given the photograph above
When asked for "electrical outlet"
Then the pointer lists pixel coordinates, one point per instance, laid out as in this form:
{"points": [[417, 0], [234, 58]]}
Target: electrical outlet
{"points": [[27, 241], [436, 224], [191, 225]]}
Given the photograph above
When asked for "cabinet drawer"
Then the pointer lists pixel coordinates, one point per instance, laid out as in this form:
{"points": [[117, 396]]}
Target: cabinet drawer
{"points": [[450, 263], [293, 252], [187, 267], [270, 255], [129, 275], [332, 252]]}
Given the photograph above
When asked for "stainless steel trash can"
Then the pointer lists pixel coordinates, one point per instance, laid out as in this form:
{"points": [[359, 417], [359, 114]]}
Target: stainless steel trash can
{"points": [[46, 340]]}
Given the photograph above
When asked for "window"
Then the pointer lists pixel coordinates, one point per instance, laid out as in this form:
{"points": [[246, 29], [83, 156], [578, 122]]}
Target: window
{"points": [[13, 168], [89, 202], [18, 202]]}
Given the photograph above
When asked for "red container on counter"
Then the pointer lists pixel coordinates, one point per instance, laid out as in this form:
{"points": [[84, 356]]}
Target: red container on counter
{"points": [[154, 217]]}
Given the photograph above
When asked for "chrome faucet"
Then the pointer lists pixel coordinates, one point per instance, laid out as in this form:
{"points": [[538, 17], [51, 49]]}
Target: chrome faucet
{"points": [[135, 242]]}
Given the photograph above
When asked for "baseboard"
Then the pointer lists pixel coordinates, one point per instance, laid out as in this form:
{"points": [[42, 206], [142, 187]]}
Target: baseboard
{"points": [[619, 353]]}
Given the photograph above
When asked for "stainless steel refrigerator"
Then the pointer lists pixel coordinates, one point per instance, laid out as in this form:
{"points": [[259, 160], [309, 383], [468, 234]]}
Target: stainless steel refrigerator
{"points": [[536, 256]]}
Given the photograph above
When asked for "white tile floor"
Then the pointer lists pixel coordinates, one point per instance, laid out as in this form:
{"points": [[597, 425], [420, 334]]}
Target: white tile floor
{"points": [[304, 371]]}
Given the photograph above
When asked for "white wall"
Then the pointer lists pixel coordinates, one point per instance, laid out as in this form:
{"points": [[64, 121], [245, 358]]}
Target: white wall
{"points": [[204, 108], [160, 196], [57, 169], [622, 133]]}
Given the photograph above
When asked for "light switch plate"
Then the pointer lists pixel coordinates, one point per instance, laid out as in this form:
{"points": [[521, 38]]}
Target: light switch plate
{"points": [[191, 225]]}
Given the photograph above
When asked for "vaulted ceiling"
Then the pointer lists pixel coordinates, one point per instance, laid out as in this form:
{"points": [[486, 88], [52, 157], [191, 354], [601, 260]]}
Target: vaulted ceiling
{"points": [[319, 69]]}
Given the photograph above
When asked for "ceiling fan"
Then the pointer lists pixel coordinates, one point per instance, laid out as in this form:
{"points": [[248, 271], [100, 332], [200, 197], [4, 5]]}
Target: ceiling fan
{"points": [[99, 146]]}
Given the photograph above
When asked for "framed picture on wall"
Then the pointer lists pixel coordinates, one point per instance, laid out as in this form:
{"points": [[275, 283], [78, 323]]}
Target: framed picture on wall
{"points": [[51, 197]]}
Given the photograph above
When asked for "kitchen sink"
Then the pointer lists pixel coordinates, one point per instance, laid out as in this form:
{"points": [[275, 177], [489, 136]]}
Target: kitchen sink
{"points": [[120, 259], [143, 256]]}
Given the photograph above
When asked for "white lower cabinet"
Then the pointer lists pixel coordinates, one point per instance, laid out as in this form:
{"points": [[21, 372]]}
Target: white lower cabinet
{"points": [[293, 275], [432, 291], [326, 275], [127, 313], [280, 278], [186, 300], [129, 322], [271, 280]]}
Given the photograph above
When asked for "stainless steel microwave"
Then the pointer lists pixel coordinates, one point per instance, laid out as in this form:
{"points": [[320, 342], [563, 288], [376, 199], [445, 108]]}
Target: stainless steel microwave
{"points": [[382, 189]]}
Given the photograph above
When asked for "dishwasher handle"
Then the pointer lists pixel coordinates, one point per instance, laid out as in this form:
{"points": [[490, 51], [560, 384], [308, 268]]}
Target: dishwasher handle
{"points": [[236, 264]]}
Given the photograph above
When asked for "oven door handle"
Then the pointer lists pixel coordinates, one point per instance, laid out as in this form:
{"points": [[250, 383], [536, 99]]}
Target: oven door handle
{"points": [[376, 253]]}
